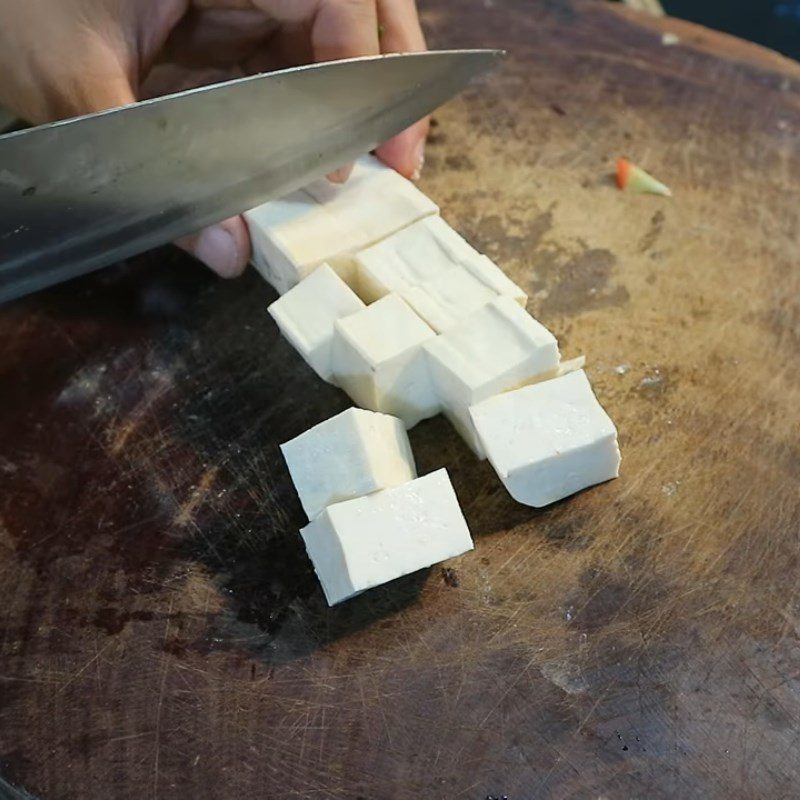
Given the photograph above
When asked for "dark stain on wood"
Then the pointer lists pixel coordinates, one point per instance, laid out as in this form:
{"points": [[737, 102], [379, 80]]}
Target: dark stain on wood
{"points": [[450, 577], [580, 283], [651, 237]]}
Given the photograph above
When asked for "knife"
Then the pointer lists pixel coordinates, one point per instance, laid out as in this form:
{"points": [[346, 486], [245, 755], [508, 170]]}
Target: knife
{"points": [[84, 193]]}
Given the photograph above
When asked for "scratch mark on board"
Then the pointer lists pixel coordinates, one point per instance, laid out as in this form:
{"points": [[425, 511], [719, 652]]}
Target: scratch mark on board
{"points": [[159, 706], [186, 511]]}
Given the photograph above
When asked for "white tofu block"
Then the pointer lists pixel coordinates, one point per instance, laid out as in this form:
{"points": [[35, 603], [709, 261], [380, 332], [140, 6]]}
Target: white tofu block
{"points": [[440, 275], [329, 223], [495, 349], [292, 236], [573, 365], [378, 359], [306, 313], [352, 454], [363, 543], [460, 291], [375, 201], [447, 298], [410, 257], [491, 276], [549, 440]]}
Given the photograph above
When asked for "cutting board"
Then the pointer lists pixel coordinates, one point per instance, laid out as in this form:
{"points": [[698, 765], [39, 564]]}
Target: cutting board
{"points": [[161, 631]]}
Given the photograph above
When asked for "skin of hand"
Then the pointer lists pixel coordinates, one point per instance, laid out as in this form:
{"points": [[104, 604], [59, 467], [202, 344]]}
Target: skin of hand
{"points": [[64, 58]]}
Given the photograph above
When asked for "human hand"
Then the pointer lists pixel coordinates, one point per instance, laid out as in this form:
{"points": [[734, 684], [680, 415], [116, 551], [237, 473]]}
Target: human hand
{"points": [[64, 58]]}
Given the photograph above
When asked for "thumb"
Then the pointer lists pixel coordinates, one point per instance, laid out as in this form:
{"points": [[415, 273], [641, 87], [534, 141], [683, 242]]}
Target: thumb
{"points": [[224, 247]]}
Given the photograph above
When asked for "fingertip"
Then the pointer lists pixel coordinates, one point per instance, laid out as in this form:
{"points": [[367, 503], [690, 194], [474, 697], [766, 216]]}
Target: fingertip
{"points": [[345, 29], [406, 151], [340, 175], [224, 248], [237, 228]]}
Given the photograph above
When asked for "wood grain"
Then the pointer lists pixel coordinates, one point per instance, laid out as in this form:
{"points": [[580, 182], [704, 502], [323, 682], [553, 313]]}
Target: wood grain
{"points": [[161, 632]]}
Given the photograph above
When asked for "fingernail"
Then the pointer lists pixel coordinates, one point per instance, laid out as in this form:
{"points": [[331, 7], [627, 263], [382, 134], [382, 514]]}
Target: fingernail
{"points": [[340, 175], [216, 248], [419, 160]]}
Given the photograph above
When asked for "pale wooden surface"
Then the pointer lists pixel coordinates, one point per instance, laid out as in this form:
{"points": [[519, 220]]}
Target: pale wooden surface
{"points": [[161, 632], [649, 6]]}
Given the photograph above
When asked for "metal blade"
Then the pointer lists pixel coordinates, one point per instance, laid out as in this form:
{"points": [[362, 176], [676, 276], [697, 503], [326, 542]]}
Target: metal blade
{"points": [[81, 194]]}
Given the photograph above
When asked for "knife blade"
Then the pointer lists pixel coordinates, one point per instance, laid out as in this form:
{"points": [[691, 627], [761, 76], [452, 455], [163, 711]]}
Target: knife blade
{"points": [[84, 193]]}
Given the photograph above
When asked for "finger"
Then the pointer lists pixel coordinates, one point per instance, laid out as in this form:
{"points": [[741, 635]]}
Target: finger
{"points": [[224, 247], [218, 37], [400, 29], [406, 151], [288, 46], [401, 32], [345, 29], [341, 174], [166, 78]]}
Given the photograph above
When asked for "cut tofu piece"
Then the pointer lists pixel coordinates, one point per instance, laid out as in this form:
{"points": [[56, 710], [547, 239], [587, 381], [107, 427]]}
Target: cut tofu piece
{"points": [[491, 276], [291, 237], [460, 291], [440, 275], [447, 298], [573, 365], [375, 200], [549, 440], [363, 543], [423, 252], [410, 257], [329, 223], [306, 313], [497, 348], [378, 359], [352, 454]]}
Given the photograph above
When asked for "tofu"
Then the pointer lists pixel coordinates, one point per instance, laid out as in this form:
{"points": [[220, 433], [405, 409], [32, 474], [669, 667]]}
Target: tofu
{"points": [[291, 237], [573, 365], [375, 201], [378, 359], [460, 291], [416, 254], [350, 455], [495, 349], [548, 440], [306, 313], [327, 222], [447, 298], [358, 544], [491, 276], [424, 252]]}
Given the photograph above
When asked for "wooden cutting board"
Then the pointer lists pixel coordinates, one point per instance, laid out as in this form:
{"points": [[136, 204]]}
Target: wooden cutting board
{"points": [[161, 631]]}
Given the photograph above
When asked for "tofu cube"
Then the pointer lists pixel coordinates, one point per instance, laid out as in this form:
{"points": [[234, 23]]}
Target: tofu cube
{"points": [[416, 254], [491, 276], [573, 365], [549, 440], [440, 275], [497, 348], [329, 223], [378, 359], [375, 201], [306, 313], [359, 544], [291, 237], [352, 454], [447, 298]]}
